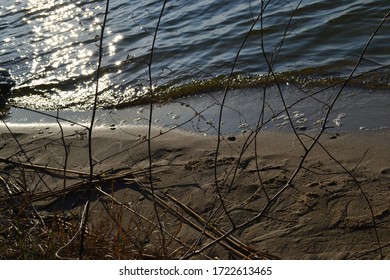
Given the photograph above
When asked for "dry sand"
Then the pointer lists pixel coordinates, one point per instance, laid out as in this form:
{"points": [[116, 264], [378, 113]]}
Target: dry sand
{"points": [[322, 213]]}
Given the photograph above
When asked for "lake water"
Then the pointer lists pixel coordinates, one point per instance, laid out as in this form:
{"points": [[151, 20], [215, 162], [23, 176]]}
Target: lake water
{"points": [[51, 47]]}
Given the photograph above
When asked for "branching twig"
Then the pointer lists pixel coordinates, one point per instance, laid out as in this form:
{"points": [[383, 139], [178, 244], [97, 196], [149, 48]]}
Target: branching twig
{"points": [[90, 130], [151, 92]]}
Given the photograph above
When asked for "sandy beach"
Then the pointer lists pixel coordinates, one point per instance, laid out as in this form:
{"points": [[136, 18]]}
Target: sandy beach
{"points": [[259, 197]]}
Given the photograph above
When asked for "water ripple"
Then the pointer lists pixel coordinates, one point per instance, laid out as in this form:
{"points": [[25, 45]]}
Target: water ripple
{"points": [[50, 46]]}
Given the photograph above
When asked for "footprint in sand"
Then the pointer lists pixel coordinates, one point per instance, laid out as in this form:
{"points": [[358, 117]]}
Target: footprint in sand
{"points": [[385, 171]]}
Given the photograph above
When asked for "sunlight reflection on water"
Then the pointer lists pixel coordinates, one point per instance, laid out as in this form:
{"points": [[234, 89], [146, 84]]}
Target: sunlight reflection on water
{"points": [[51, 46], [56, 40], [60, 50]]}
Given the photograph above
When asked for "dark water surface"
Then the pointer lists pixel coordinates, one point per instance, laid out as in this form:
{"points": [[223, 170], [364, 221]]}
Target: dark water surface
{"points": [[50, 46]]}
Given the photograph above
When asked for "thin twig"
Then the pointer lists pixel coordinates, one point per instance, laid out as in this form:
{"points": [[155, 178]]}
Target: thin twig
{"points": [[151, 93], [90, 130]]}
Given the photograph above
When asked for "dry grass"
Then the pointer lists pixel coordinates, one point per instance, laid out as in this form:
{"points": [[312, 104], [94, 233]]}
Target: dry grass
{"points": [[33, 225]]}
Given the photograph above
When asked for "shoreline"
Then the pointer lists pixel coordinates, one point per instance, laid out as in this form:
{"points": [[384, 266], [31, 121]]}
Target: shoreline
{"points": [[357, 109]]}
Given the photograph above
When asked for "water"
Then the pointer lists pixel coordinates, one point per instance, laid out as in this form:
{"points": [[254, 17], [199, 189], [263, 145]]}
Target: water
{"points": [[51, 46]]}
